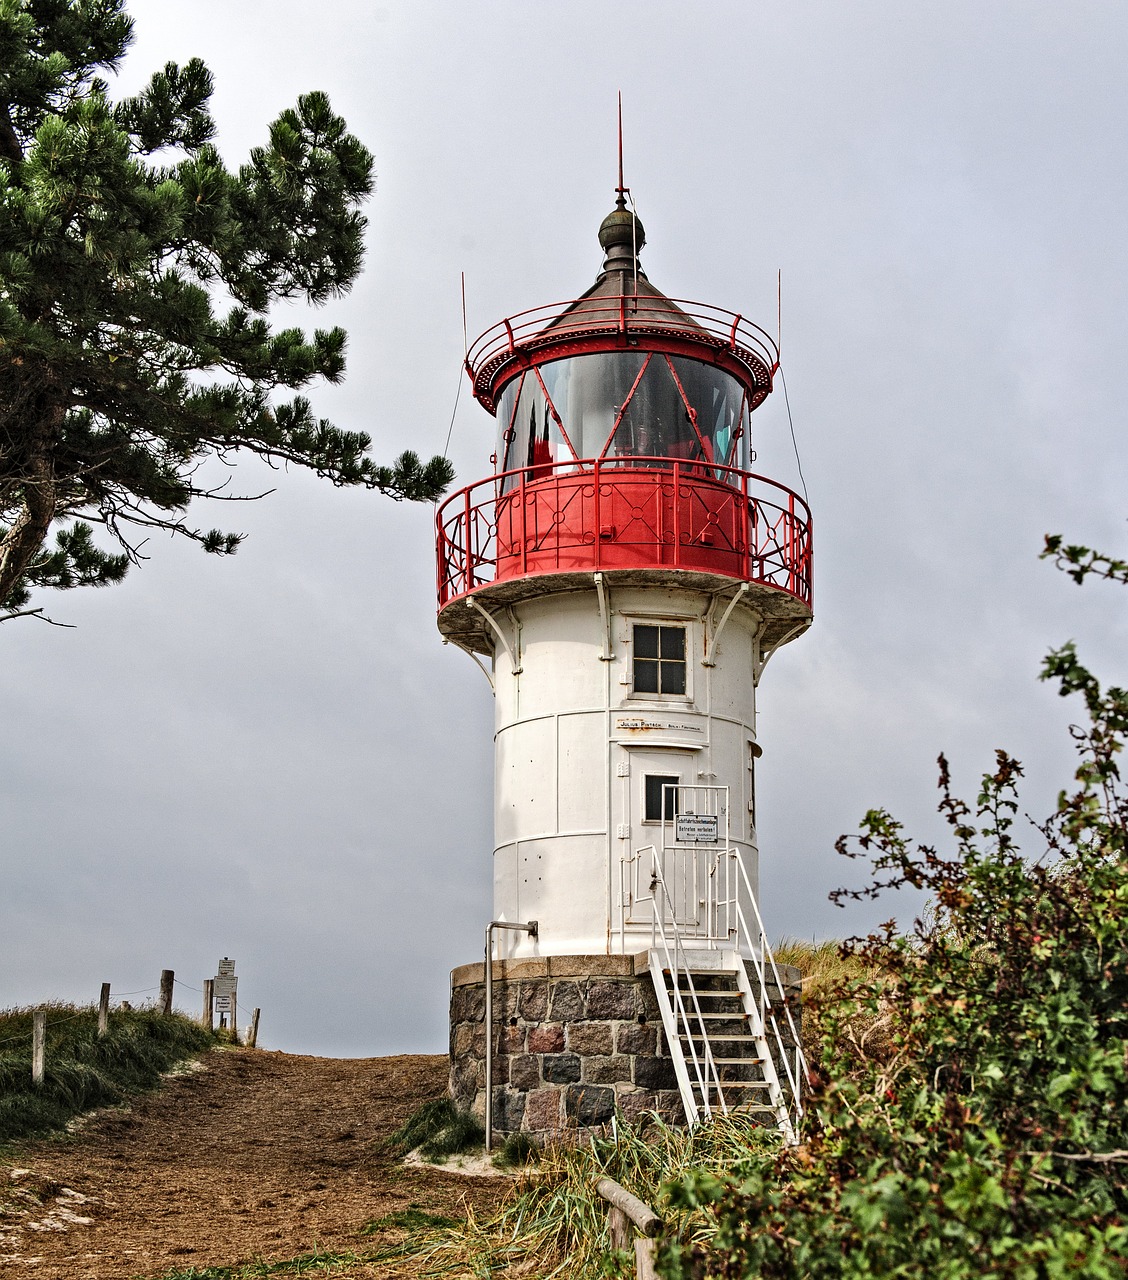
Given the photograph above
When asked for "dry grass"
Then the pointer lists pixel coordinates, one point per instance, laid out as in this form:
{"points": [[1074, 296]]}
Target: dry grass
{"points": [[837, 987], [552, 1224]]}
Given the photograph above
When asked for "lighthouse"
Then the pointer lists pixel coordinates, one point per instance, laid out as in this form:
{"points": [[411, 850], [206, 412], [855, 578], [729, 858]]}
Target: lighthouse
{"points": [[622, 577]]}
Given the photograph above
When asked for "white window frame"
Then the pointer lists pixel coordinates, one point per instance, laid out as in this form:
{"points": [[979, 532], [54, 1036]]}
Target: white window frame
{"points": [[689, 626]]}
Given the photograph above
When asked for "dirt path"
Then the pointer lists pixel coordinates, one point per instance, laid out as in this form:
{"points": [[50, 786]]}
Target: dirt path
{"points": [[258, 1155]]}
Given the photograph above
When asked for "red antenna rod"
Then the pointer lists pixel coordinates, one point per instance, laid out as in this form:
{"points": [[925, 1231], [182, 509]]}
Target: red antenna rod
{"points": [[620, 188]]}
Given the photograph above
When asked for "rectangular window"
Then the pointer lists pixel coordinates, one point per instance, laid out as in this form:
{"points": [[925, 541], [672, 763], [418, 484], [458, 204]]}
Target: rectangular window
{"points": [[659, 659], [660, 805]]}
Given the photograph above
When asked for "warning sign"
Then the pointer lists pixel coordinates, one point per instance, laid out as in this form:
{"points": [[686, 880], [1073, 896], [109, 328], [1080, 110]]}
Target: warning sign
{"points": [[696, 828]]}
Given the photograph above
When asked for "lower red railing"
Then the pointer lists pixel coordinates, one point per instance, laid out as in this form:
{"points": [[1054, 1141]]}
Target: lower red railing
{"points": [[624, 514]]}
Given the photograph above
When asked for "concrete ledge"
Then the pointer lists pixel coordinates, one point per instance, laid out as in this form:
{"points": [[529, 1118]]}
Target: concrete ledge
{"points": [[631, 966]]}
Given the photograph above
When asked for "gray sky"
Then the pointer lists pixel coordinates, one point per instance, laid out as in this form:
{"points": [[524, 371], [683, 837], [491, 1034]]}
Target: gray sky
{"points": [[273, 757]]}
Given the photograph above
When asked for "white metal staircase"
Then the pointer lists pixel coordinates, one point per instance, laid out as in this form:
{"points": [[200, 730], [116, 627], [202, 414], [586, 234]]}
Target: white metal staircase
{"points": [[730, 1032]]}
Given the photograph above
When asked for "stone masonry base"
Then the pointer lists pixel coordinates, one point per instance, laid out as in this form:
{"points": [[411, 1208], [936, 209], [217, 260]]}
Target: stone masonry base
{"points": [[575, 1039]]}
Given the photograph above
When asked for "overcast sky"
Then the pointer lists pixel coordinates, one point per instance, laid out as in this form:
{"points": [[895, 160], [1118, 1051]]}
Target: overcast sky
{"points": [[273, 757]]}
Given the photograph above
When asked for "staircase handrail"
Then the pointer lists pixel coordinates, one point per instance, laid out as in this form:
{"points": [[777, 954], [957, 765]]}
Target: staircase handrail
{"points": [[800, 1057], [658, 930]]}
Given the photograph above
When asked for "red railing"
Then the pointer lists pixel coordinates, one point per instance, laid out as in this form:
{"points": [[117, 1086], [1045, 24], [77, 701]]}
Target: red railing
{"points": [[637, 513], [561, 327]]}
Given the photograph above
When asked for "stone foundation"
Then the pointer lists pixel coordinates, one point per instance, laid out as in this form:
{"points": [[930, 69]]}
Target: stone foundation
{"points": [[575, 1039]]}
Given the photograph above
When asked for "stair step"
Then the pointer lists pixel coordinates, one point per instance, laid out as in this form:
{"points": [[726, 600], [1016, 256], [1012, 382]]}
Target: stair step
{"points": [[706, 995], [714, 1031], [736, 1061]]}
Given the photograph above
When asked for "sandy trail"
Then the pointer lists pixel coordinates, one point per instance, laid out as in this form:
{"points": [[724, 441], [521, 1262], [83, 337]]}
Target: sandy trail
{"points": [[258, 1155]]}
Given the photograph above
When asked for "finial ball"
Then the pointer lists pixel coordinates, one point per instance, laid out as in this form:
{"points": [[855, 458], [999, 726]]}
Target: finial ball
{"points": [[615, 229]]}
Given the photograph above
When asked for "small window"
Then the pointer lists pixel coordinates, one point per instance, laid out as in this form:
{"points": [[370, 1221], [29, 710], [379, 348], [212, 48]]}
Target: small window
{"points": [[660, 805], [659, 660]]}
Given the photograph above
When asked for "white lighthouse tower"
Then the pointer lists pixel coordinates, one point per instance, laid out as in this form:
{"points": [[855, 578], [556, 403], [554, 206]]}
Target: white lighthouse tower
{"points": [[625, 576]]}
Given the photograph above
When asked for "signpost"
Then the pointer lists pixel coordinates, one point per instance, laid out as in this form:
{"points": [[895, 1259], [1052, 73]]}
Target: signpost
{"points": [[225, 993]]}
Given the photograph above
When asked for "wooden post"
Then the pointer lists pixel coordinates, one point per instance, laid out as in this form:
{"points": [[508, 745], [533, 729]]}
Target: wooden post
{"points": [[209, 1004], [234, 1019], [618, 1228], [625, 1209], [167, 979], [104, 1010], [644, 1259], [252, 1034], [38, 1044]]}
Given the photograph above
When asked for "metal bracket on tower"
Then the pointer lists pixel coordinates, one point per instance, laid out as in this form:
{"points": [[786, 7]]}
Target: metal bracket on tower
{"points": [[761, 659], [604, 618], [710, 658], [477, 661], [513, 658]]}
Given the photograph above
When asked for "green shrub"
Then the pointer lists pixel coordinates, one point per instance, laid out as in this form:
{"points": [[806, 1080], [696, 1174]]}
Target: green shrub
{"points": [[985, 1132]]}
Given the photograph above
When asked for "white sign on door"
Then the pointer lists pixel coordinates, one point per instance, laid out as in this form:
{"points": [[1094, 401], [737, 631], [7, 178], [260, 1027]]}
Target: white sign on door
{"points": [[696, 828]]}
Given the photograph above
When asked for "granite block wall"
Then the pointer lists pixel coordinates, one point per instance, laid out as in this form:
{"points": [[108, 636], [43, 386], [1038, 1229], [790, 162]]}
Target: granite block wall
{"points": [[575, 1039]]}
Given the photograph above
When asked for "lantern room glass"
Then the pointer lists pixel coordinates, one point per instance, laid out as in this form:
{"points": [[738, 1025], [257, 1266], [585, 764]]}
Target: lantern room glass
{"points": [[619, 406]]}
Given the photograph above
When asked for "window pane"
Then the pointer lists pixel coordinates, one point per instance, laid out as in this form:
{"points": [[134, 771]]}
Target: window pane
{"points": [[672, 642], [589, 391], [646, 642], [673, 677], [656, 422], [719, 400], [536, 441], [645, 676], [658, 805]]}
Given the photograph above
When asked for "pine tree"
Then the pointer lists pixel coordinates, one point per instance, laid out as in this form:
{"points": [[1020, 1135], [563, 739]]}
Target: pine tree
{"points": [[136, 274]]}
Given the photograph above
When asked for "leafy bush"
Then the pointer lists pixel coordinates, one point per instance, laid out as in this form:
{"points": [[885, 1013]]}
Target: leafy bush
{"points": [[81, 1070], [985, 1132]]}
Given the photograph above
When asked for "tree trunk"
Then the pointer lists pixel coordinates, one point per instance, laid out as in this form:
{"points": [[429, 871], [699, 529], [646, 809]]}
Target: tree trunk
{"points": [[40, 498]]}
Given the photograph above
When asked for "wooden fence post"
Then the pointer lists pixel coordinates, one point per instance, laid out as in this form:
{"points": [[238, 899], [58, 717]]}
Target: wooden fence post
{"points": [[209, 1004], [252, 1033], [104, 1010], [167, 979], [624, 1209], [38, 1044], [644, 1259], [618, 1228]]}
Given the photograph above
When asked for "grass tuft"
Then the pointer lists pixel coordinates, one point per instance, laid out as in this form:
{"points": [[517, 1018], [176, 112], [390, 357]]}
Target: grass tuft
{"points": [[438, 1129], [517, 1151], [317, 1263], [82, 1071], [410, 1219]]}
